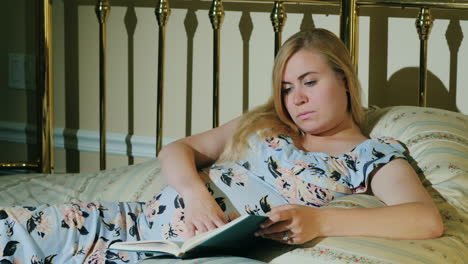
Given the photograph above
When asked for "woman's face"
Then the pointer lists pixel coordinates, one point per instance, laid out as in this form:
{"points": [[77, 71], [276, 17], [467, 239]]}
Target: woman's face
{"points": [[314, 95]]}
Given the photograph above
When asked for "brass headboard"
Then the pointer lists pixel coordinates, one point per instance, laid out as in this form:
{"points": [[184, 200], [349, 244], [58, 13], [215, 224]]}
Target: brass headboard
{"points": [[348, 33], [349, 11]]}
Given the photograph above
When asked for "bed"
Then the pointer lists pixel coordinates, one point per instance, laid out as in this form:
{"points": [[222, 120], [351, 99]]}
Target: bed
{"points": [[436, 139]]}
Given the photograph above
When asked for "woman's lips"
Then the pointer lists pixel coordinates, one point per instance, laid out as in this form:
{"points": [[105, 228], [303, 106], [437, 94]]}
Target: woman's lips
{"points": [[305, 115]]}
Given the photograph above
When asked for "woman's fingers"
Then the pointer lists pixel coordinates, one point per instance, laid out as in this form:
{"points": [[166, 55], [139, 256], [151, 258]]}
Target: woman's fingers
{"points": [[280, 227], [286, 236], [201, 228], [278, 236], [203, 216], [219, 223], [277, 214], [190, 229], [206, 223], [209, 225]]}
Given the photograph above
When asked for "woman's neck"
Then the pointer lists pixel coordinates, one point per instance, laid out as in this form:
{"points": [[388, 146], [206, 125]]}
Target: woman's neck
{"points": [[335, 141], [345, 129]]}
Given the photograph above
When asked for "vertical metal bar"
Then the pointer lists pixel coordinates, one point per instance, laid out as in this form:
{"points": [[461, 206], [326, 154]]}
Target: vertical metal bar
{"points": [[423, 26], [216, 78], [278, 19], [102, 12], [162, 12], [349, 28], [216, 15], [46, 87], [246, 28], [191, 24]]}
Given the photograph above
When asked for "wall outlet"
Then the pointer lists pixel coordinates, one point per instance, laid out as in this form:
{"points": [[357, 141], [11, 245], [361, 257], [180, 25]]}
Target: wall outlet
{"points": [[21, 71]]}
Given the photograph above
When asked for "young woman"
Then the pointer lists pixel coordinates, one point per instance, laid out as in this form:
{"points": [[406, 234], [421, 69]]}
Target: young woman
{"points": [[285, 159], [312, 127]]}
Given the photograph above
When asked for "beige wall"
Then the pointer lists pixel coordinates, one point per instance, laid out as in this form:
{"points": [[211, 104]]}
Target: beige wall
{"points": [[17, 102], [17, 39], [388, 60]]}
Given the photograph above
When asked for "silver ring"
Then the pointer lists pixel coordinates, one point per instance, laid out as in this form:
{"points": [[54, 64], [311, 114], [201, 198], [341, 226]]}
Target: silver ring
{"points": [[286, 235]]}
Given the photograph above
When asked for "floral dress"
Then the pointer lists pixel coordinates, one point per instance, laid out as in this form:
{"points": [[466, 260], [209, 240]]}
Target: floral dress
{"points": [[273, 172]]}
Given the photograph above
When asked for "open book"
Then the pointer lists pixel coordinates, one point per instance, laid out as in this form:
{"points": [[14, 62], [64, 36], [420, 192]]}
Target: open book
{"points": [[226, 239]]}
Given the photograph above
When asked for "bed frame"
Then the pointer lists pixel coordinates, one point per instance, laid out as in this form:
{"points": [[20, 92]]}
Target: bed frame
{"points": [[348, 33]]}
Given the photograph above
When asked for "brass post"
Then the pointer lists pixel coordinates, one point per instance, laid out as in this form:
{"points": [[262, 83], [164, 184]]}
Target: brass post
{"points": [[278, 19], [102, 12], [216, 15], [162, 12], [349, 28], [46, 85], [423, 26]]}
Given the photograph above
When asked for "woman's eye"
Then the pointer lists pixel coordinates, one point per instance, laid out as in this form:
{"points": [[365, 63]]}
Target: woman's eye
{"points": [[286, 90], [310, 83]]}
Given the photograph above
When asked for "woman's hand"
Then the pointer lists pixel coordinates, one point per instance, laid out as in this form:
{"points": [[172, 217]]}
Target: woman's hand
{"points": [[202, 213], [292, 224]]}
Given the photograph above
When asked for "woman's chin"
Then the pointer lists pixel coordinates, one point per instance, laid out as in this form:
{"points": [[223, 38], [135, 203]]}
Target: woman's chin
{"points": [[311, 130]]}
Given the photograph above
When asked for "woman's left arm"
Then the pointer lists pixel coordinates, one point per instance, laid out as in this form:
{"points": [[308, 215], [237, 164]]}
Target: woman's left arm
{"points": [[410, 212]]}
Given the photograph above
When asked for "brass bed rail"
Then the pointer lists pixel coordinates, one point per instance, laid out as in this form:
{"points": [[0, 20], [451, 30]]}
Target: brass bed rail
{"points": [[348, 33], [102, 12], [349, 25], [162, 12]]}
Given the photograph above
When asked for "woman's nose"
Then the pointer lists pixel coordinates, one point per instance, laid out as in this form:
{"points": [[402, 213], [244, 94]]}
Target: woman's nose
{"points": [[299, 97]]}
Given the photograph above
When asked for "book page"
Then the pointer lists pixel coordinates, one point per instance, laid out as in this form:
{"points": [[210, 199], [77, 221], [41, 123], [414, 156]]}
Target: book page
{"points": [[171, 247]]}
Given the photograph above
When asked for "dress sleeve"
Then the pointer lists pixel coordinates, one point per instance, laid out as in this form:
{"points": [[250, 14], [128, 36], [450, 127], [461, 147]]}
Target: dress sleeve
{"points": [[380, 152]]}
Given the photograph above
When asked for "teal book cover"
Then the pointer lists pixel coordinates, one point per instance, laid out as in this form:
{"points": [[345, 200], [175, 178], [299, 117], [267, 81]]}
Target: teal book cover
{"points": [[229, 241]]}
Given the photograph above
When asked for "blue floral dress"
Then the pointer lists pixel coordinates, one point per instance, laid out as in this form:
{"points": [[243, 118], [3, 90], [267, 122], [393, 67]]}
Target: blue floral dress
{"points": [[273, 172]]}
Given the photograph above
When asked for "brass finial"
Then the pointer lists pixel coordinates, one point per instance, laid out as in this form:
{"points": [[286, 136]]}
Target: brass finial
{"points": [[216, 14], [102, 10], [424, 23], [278, 16], [162, 11]]}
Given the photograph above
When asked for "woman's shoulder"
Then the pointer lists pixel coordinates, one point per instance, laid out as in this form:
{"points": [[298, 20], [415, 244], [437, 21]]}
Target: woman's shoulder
{"points": [[370, 155], [389, 143], [377, 148]]}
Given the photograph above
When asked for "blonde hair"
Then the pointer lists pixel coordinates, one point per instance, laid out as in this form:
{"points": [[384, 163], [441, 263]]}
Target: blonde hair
{"points": [[274, 114]]}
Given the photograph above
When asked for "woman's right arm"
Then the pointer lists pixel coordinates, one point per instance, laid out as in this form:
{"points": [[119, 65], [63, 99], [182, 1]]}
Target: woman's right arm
{"points": [[179, 163]]}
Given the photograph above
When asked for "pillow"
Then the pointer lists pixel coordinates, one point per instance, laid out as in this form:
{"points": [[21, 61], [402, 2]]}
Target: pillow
{"points": [[437, 140]]}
